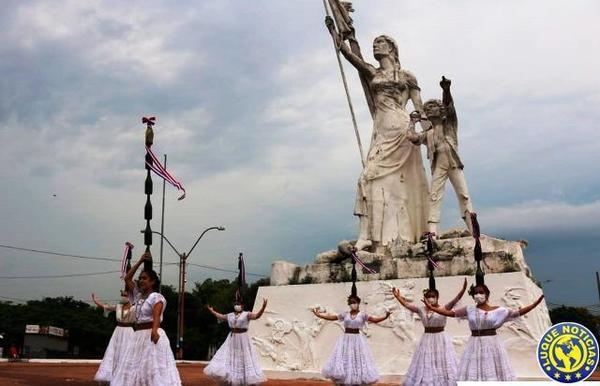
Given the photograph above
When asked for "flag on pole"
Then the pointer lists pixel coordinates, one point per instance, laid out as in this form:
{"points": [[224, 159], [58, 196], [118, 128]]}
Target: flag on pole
{"points": [[241, 280], [162, 172], [362, 263], [126, 260]]}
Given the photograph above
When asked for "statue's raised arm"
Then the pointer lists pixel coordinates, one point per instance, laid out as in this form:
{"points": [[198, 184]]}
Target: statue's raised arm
{"points": [[363, 67], [391, 200], [448, 101]]}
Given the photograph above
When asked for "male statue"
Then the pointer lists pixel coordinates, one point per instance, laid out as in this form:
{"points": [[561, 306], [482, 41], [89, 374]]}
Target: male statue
{"points": [[442, 151]]}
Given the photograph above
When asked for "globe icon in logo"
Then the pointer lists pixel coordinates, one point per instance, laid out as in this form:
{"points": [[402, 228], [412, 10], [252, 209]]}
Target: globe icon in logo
{"points": [[568, 352]]}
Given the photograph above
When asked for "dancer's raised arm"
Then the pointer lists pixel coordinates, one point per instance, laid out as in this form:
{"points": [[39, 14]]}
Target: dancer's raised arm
{"points": [[440, 310], [105, 307], [129, 283], [408, 305], [458, 296], [324, 316], [254, 316], [215, 313], [373, 319], [526, 309]]}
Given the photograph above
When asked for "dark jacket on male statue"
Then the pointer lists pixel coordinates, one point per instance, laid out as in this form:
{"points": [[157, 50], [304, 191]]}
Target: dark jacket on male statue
{"points": [[450, 126]]}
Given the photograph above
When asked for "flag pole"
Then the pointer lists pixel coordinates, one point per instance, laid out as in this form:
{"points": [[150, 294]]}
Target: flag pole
{"points": [[148, 187], [162, 231], [337, 53]]}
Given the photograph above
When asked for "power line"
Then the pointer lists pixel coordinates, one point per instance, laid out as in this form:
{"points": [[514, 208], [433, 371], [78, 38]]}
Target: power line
{"points": [[58, 276], [57, 253], [225, 270], [108, 259]]}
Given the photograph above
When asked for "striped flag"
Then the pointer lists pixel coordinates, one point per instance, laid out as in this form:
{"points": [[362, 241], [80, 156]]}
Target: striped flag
{"points": [[162, 172], [241, 281], [433, 262], [362, 263], [126, 260]]}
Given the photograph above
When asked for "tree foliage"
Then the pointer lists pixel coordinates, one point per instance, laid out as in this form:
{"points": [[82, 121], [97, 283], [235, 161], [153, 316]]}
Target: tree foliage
{"points": [[579, 315], [90, 331]]}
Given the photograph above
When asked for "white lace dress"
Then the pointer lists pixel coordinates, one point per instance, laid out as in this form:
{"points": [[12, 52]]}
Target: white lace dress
{"points": [[434, 361], [351, 362], [146, 363], [236, 363], [119, 341], [485, 358]]}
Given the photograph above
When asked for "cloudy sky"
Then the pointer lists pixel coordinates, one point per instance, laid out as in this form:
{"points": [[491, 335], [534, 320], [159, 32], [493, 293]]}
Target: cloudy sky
{"points": [[252, 114]]}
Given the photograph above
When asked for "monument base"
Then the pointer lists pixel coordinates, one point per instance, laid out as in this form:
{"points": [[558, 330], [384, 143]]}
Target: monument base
{"points": [[293, 343], [453, 250]]}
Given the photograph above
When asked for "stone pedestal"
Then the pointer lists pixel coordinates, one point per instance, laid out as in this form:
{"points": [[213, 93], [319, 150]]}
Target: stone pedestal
{"points": [[454, 253], [293, 343]]}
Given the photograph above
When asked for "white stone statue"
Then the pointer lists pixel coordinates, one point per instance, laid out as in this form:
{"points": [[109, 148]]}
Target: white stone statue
{"points": [[442, 151], [391, 200]]}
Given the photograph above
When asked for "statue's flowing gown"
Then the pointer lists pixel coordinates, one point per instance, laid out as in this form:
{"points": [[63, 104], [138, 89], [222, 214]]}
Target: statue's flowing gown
{"points": [[392, 196]]}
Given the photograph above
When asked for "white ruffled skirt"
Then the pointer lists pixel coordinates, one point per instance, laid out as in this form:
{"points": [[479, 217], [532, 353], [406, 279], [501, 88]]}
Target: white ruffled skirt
{"points": [[119, 341], [485, 359], [351, 362], [235, 363], [146, 363], [433, 363]]}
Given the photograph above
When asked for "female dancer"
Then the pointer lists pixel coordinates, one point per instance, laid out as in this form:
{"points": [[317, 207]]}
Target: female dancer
{"points": [[149, 360], [120, 339], [236, 363], [351, 362], [434, 360], [484, 358]]}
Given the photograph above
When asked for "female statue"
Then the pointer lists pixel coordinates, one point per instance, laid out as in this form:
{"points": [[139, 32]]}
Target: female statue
{"points": [[392, 196]]}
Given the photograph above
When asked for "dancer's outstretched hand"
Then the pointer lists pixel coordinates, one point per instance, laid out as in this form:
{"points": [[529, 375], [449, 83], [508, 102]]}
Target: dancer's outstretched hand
{"points": [[427, 305]]}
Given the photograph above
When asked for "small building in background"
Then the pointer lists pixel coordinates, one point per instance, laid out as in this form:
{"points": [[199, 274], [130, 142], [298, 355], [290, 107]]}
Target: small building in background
{"points": [[45, 342]]}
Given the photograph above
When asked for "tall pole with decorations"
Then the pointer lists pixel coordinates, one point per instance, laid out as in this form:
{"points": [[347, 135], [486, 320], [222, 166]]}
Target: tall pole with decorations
{"points": [[148, 187]]}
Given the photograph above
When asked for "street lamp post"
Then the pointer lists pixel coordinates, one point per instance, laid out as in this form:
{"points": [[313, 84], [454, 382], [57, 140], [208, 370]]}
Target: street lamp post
{"points": [[181, 287]]}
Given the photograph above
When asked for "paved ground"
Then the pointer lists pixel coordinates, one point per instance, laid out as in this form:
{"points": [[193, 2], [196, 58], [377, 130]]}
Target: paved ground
{"points": [[44, 374]]}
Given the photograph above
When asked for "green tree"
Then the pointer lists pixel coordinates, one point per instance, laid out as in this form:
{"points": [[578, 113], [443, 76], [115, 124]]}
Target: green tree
{"points": [[578, 315], [89, 331]]}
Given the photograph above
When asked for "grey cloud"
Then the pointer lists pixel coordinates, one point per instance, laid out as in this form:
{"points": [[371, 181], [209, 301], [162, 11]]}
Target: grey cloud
{"points": [[252, 114]]}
